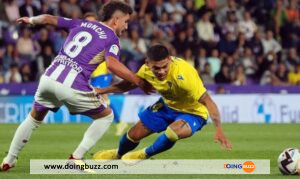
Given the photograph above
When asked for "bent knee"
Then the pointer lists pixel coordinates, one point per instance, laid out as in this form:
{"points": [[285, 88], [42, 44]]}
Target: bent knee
{"points": [[171, 134], [133, 135], [181, 128]]}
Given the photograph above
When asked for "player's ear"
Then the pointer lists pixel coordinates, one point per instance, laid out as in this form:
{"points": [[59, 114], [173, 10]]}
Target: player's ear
{"points": [[147, 62], [169, 58], [115, 20]]}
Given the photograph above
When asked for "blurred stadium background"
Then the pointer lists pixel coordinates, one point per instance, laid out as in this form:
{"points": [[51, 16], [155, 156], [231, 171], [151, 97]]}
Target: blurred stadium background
{"points": [[246, 52]]}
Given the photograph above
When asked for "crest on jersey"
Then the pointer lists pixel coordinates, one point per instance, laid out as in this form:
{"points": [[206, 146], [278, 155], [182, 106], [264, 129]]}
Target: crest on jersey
{"points": [[180, 77], [114, 49], [99, 58]]}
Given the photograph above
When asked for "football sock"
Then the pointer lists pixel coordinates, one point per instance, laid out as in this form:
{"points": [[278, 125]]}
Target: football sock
{"points": [[161, 144], [21, 137], [92, 135], [126, 144]]}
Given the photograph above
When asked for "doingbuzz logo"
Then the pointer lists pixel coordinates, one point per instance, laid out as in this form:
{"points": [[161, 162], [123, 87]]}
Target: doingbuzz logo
{"points": [[247, 166]]}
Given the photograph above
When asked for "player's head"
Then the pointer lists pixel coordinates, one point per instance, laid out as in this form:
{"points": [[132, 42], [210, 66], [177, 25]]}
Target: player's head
{"points": [[117, 15], [90, 16], [158, 60]]}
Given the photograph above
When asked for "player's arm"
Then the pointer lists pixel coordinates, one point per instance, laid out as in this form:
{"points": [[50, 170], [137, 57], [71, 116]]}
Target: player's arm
{"points": [[120, 87], [123, 72], [215, 116], [39, 20]]}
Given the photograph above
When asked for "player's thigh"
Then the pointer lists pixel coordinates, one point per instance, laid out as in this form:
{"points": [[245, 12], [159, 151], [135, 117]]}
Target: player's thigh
{"points": [[155, 117], [185, 125], [45, 99], [84, 103], [139, 131]]}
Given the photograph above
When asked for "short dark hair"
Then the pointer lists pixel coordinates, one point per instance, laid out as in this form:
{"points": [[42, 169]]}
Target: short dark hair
{"points": [[111, 7], [157, 52]]}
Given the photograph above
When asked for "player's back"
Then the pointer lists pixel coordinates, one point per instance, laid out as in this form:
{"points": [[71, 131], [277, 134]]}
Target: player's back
{"points": [[86, 46]]}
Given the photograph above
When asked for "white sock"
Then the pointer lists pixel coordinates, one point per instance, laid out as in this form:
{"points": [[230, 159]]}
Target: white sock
{"points": [[93, 134], [21, 137]]}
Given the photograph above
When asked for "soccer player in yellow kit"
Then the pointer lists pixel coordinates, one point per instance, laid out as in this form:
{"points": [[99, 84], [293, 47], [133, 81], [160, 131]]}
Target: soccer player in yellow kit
{"points": [[182, 110]]}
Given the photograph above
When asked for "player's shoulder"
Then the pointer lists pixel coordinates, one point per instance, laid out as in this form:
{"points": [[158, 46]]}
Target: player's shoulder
{"points": [[182, 65], [144, 68], [145, 72], [107, 29], [183, 73]]}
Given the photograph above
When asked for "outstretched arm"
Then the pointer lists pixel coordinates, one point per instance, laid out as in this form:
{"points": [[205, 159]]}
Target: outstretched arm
{"points": [[39, 20], [120, 87], [123, 72], [215, 116]]}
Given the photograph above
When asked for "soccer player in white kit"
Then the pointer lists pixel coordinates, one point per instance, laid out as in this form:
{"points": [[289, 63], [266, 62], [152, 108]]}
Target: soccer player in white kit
{"points": [[66, 80]]}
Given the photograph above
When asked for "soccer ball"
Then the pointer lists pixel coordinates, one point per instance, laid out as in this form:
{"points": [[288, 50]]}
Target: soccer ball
{"points": [[289, 161]]}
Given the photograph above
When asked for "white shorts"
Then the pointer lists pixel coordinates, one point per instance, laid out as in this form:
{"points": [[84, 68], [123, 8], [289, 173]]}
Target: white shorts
{"points": [[51, 95]]}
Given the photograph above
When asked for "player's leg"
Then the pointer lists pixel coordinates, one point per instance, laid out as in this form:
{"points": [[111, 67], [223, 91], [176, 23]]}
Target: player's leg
{"points": [[21, 137], [100, 124], [92, 105], [131, 139], [184, 126], [128, 142], [151, 120], [175, 131], [44, 101]]}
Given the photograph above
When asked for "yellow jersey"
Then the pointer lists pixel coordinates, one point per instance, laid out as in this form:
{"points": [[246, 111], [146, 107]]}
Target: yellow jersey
{"points": [[181, 89], [100, 70]]}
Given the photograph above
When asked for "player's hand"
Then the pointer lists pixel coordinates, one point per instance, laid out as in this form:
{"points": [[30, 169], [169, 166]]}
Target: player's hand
{"points": [[220, 137], [100, 90], [23, 20], [146, 86]]}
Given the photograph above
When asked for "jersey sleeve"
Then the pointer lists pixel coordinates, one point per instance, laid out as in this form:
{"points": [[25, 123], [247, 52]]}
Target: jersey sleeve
{"points": [[68, 23], [141, 72], [113, 48]]}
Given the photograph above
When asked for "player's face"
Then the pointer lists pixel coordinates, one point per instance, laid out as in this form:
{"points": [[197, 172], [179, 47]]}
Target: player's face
{"points": [[159, 68], [122, 23]]}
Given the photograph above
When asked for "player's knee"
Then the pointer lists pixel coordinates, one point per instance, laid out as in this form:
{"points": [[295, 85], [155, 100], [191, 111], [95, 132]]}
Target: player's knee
{"points": [[171, 134], [109, 117], [133, 136], [39, 116]]}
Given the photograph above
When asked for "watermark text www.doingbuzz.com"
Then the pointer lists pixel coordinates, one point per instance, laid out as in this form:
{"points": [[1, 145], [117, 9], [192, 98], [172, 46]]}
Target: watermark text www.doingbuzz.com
{"points": [[170, 166]]}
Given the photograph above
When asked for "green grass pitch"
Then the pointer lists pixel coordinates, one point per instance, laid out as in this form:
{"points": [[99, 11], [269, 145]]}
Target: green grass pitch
{"points": [[250, 141]]}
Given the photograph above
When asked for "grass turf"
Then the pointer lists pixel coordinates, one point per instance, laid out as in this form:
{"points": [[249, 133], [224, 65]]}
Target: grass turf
{"points": [[250, 141]]}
